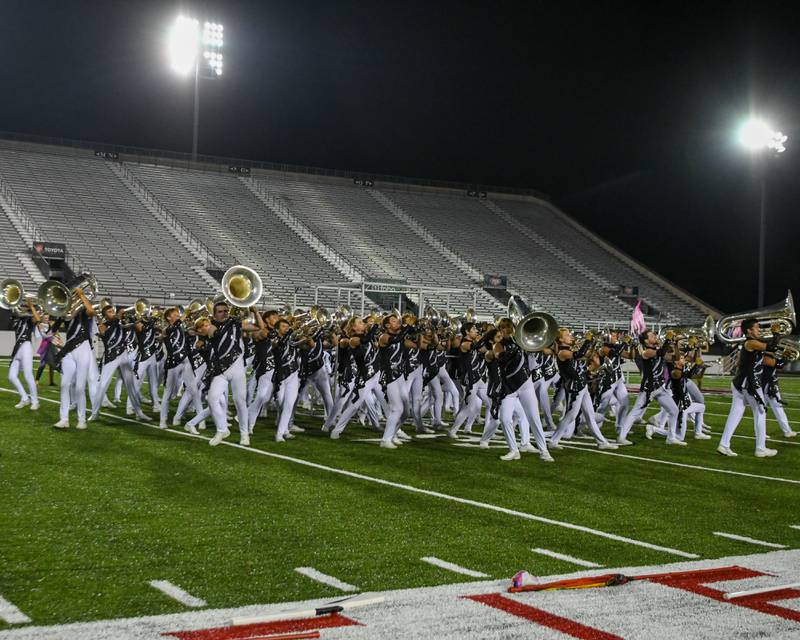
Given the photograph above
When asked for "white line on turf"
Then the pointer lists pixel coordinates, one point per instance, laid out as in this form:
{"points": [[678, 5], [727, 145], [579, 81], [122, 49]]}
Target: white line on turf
{"points": [[176, 593], [680, 464], [770, 438], [733, 536], [324, 578], [411, 489], [10, 614], [794, 526], [443, 564], [566, 558]]}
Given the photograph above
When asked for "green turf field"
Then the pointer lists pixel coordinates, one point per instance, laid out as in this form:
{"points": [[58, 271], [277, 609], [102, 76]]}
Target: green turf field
{"points": [[89, 518]]}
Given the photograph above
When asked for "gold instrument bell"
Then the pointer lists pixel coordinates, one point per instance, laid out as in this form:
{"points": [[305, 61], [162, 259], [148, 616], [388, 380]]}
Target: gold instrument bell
{"points": [[534, 331]]}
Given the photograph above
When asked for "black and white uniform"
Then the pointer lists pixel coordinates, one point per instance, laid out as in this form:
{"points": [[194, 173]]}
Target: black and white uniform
{"points": [[573, 373], [199, 357], [22, 358], [772, 394], [612, 385], [367, 380], [116, 357], [226, 365], [178, 367], [313, 371], [287, 381], [263, 371], [393, 384], [746, 390], [148, 349], [653, 387], [76, 361], [473, 380]]}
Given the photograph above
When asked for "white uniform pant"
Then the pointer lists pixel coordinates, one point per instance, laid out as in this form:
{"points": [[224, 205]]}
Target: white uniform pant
{"points": [[398, 405], [664, 399], [738, 403], [264, 389], [510, 406], [121, 363], [371, 387], [322, 382], [414, 384], [542, 386], [449, 387], [471, 407], [530, 405], [188, 398], [236, 377], [287, 398], [75, 370], [177, 376], [619, 393], [23, 359], [434, 402], [581, 404], [148, 369], [780, 414], [342, 391]]}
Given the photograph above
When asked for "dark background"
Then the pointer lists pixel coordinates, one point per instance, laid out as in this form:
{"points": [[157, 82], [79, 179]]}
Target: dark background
{"points": [[625, 115]]}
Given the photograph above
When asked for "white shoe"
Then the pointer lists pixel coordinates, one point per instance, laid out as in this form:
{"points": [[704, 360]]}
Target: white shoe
{"points": [[335, 435], [788, 434], [295, 429], [202, 426], [402, 435], [441, 425], [145, 418], [92, 417], [289, 436], [35, 407], [680, 443], [62, 424], [107, 404], [556, 446], [528, 448], [623, 442], [81, 425], [544, 456], [219, 437], [190, 429], [452, 433], [388, 445], [325, 428], [425, 430], [280, 438], [648, 432], [726, 451], [176, 421], [128, 412], [766, 453], [244, 441], [22, 403], [701, 436], [607, 446], [511, 455], [397, 441], [163, 425], [483, 444]]}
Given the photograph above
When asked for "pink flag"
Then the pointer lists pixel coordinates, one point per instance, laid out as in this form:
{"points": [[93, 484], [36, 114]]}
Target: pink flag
{"points": [[737, 331], [638, 326]]}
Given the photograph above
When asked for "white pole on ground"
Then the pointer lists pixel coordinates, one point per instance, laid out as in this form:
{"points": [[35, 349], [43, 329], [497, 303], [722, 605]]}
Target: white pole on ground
{"points": [[753, 592]]}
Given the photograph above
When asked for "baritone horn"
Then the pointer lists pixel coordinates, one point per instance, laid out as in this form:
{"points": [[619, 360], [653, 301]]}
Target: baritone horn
{"points": [[533, 331], [14, 298], [778, 319], [58, 300], [241, 286]]}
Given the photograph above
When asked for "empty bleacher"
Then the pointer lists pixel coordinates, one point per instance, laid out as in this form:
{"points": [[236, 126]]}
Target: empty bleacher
{"points": [[10, 265]]}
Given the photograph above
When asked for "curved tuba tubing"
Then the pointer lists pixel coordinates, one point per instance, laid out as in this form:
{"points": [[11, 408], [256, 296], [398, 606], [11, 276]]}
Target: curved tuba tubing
{"points": [[241, 286], [781, 315], [534, 330]]}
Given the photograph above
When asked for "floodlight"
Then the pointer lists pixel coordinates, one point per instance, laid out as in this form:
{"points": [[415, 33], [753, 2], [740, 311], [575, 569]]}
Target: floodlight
{"points": [[183, 44], [756, 135]]}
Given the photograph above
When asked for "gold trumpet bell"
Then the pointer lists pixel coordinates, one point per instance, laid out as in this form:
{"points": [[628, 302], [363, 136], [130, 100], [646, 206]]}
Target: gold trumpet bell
{"points": [[535, 331], [242, 286], [11, 293]]}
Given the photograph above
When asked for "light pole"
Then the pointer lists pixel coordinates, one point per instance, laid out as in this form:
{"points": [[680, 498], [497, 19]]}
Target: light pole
{"points": [[190, 49], [758, 138]]}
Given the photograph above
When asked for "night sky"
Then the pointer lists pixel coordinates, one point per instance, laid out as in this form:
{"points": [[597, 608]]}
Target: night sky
{"points": [[623, 115]]}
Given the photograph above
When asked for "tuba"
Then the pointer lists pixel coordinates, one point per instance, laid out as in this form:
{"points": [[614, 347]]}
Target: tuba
{"points": [[241, 286], [534, 330], [58, 300], [777, 319]]}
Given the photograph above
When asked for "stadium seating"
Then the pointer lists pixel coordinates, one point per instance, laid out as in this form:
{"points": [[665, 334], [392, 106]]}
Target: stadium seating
{"points": [[300, 231]]}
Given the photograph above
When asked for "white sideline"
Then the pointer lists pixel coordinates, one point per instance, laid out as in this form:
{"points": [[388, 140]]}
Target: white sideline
{"points": [[566, 558], [10, 614], [733, 536], [324, 578], [795, 526], [176, 593], [678, 464], [409, 488], [443, 564]]}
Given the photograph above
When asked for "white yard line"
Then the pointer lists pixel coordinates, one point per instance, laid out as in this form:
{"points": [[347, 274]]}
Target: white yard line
{"points": [[324, 578], [443, 564], [795, 526], [566, 558], [10, 614], [769, 438], [176, 593], [733, 536], [679, 464], [417, 490]]}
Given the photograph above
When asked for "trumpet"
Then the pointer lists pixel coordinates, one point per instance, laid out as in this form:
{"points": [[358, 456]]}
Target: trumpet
{"points": [[778, 319], [534, 331]]}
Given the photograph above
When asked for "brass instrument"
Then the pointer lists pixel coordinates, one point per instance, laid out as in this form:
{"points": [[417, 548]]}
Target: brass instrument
{"points": [[788, 348], [241, 287], [14, 298], [469, 315], [778, 319], [139, 310], [704, 334], [316, 318], [534, 331], [99, 306], [58, 300]]}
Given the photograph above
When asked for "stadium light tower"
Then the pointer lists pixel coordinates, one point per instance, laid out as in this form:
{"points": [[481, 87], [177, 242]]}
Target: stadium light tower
{"points": [[192, 50], [759, 138]]}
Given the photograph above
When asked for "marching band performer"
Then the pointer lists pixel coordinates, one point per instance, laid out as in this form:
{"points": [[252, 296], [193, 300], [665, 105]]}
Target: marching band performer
{"points": [[22, 357], [390, 353], [613, 383], [75, 360], [115, 358], [286, 378], [772, 392], [679, 377], [178, 367], [313, 370], [473, 378], [263, 364], [746, 390], [148, 349]]}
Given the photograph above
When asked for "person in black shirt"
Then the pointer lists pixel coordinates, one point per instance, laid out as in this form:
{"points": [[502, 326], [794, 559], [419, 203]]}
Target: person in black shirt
{"points": [[746, 390], [473, 378], [263, 364], [22, 358], [178, 368], [148, 347], [390, 354], [772, 393]]}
